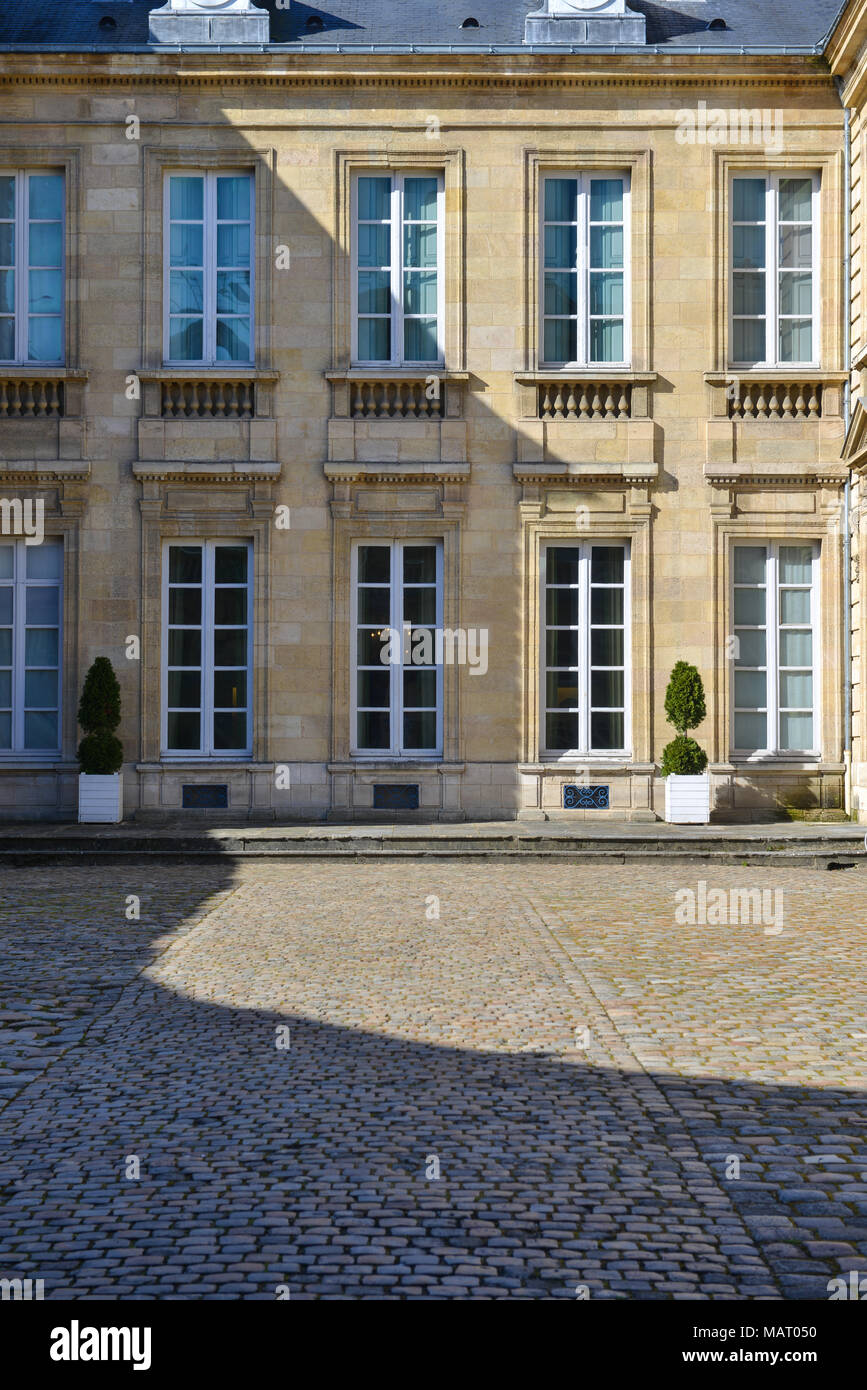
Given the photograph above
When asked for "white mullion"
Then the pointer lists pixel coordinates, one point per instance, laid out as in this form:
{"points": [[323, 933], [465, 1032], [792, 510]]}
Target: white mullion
{"points": [[395, 733], [209, 288], [582, 242], [441, 272], [584, 639], [18, 622], [250, 622], [22, 258], [772, 596], [772, 273], [206, 733], [396, 209]]}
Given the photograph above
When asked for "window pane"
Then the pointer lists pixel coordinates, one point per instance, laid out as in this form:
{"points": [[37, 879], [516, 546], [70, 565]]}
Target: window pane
{"points": [[748, 248], [230, 564], [183, 730], [748, 200], [419, 564], [184, 689], [748, 292], [7, 195], [796, 247], [45, 291], [606, 606], [561, 647], [606, 200], [420, 292], [606, 689], [187, 198], [796, 200], [374, 605], [43, 561], [751, 731], [5, 646], [371, 646], [185, 647], [185, 607], [606, 647], [420, 606], [606, 340], [561, 200], [6, 604], [422, 646], [749, 564], [562, 731], [40, 689], [796, 648], [562, 564], [233, 291], [230, 647], [230, 729], [748, 340], [606, 292], [7, 335], [795, 606], [186, 291], [561, 689], [374, 687], [374, 245], [233, 340], [186, 244], [561, 247], [46, 243], [606, 247], [45, 340], [233, 197], [46, 196], [796, 294], [419, 689], [562, 607], [7, 291], [230, 689], [374, 340], [796, 340], [420, 729], [43, 605], [561, 340], [40, 731], [420, 340], [751, 648], [185, 340], [374, 199], [185, 564], [796, 731], [796, 690], [606, 565], [40, 646], [5, 730], [561, 292], [230, 607], [7, 560], [751, 689], [7, 243], [374, 564], [750, 608], [233, 244], [419, 245], [374, 729], [796, 564], [5, 689], [606, 729], [374, 292], [420, 199]]}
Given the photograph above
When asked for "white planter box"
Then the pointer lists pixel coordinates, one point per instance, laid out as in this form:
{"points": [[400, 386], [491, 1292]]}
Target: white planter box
{"points": [[687, 800], [100, 798]]}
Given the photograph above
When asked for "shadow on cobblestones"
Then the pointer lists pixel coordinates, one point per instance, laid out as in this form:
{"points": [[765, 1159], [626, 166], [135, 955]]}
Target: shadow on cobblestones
{"points": [[361, 1161]]}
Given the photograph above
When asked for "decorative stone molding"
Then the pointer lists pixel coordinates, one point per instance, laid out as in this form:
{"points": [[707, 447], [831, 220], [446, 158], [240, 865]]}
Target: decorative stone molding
{"points": [[574, 22], [209, 22], [207, 413]]}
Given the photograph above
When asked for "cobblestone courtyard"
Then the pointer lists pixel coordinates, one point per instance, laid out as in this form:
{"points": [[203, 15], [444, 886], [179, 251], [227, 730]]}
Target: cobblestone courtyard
{"points": [[578, 1067]]}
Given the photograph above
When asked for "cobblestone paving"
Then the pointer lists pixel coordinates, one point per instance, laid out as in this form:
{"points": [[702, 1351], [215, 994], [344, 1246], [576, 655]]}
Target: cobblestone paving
{"points": [[579, 1068]]}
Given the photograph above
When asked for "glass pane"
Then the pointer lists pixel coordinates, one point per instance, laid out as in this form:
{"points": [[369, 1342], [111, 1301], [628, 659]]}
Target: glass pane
{"points": [[606, 689], [185, 606], [374, 688], [606, 564], [230, 564], [185, 647], [748, 340], [561, 340], [230, 647], [374, 729], [796, 564], [419, 245], [796, 690], [419, 689], [374, 291], [45, 291], [796, 731], [40, 689], [5, 689], [420, 606], [43, 606], [230, 689], [750, 608], [561, 732], [6, 604], [44, 561], [40, 731], [5, 646], [420, 340], [186, 198], [374, 245], [419, 564], [796, 340], [796, 200], [183, 730], [749, 564], [606, 605], [41, 646], [796, 648], [45, 340], [606, 340], [796, 248], [374, 564], [374, 605], [420, 199], [372, 646], [422, 647], [7, 243], [7, 560], [751, 648], [186, 245], [7, 335], [748, 200], [561, 247], [420, 292], [185, 564], [374, 199], [751, 689], [46, 243], [562, 563], [230, 607], [186, 291], [796, 294], [233, 197], [561, 647], [561, 292], [184, 689], [748, 292], [606, 729], [606, 200], [5, 730], [795, 606], [561, 607], [7, 195], [606, 292], [561, 200], [751, 731], [7, 291], [748, 248], [230, 729], [606, 247], [46, 196], [606, 647], [185, 340], [233, 244], [233, 340], [233, 291], [420, 729], [561, 689], [374, 340]]}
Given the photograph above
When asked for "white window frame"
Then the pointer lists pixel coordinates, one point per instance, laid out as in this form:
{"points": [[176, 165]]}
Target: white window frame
{"points": [[772, 268], [398, 178], [209, 277], [397, 749], [584, 638], [772, 649], [583, 362], [19, 585], [206, 751], [22, 267]]}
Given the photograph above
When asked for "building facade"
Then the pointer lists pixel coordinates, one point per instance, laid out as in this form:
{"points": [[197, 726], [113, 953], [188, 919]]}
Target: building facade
{"points": [[395, 396]]}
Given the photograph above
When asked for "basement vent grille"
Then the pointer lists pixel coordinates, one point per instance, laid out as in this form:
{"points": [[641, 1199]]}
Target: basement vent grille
{"points": [[205, 797], [585, 798], [394, 796]]}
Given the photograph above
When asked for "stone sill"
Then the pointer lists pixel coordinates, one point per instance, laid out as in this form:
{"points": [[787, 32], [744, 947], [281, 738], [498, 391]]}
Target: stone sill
{"points": [[396, 374], [378, 766], [45, 470], [168, 764], [225, 373], [775, 763], [601, 373], [640, 473], [578, 766], [775, 474], [159, 470]]}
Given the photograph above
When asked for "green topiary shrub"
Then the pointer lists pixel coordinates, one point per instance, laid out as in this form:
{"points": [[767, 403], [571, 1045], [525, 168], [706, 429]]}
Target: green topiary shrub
{"points": [[100, 752], [685, 709]]}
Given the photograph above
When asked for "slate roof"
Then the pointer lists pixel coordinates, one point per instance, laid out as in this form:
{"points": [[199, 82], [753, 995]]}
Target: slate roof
{"points": [[767, 25]]}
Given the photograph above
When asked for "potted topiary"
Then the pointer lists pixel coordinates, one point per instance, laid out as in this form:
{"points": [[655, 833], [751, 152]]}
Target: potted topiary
{"points": [[687, 784], [100, 752]]}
